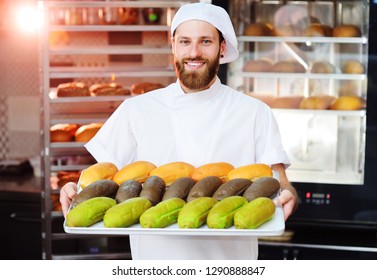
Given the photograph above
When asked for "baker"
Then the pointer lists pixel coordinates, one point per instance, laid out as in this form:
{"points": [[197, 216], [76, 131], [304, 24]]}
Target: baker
{"points": [[197, 120]]}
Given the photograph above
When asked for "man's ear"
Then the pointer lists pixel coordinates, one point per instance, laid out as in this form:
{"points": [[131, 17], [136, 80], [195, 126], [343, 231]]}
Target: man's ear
{"points": [[223, 48]]}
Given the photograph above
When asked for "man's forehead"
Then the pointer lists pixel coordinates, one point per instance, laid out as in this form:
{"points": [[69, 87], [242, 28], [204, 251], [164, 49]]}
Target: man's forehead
{"points": [[191, 23]]}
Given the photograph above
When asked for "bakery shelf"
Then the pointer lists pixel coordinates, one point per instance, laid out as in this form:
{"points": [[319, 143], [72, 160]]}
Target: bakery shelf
{"points": [[55, 168], [63, 145], [340, 113], [86, 99], [118, 49], [329, 40], [110, 28], [109, 71], [303, 75]]}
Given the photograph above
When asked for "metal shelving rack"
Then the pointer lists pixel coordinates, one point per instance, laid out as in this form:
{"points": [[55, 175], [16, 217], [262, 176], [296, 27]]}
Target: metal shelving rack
{"points": [[69, 108]]}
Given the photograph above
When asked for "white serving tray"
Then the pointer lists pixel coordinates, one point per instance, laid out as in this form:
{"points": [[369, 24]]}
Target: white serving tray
{"points": [[273, 227]]}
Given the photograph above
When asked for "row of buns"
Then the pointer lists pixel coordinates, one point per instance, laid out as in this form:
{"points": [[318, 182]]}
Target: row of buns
{"points": [[320, 102], [70, 132], [311, 30], [290, 66], [79, 89]]}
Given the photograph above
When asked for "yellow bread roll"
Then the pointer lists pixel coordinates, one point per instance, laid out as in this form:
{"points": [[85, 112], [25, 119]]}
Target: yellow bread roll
{"points": [[317, 102], [138, 170], [170, 172], [347, 103], [219, 169], [97, 171], [346, 30], [353, 67], [252, 171]]}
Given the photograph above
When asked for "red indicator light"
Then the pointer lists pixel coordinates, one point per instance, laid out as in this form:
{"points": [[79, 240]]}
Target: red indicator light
{"points": [[328, 196], [307, 195]]}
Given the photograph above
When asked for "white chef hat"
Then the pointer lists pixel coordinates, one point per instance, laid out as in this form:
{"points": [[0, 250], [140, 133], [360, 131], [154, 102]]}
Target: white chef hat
{"points": [[214, 15]]}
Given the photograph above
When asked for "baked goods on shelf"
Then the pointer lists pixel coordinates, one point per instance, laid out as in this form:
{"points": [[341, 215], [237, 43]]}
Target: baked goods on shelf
{"points": [[108, 89], [143, 87], [259, 65], [320, 102], [128, 15], [353, 67], [63, 132], [288, 66], [67, 176], [317, 30], [346, 30], [259, 29], [87, 131], [322, 67], [72, 89], [347, 103], [286, 102]]}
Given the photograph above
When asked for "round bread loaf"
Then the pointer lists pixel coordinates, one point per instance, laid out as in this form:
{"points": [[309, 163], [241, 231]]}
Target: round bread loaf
{"points": [[347, 30], [353, 67], [317, 102], [288, 67], [258, 29], [322, 67], [63, 132], [347, 103], [86, 132], [72, 89], [286, 102], [317, 30], [108, 89], [144, 87], [285, 30], [260, 65]]}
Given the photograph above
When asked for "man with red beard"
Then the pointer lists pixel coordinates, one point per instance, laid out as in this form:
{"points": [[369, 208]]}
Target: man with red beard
{"points": [[197, 120]]}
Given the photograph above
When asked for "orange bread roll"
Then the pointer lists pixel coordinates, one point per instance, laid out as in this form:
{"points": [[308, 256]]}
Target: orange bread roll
{"points": [[138, 170], [87, 131], [347, 103], [97, 171], [218, 169], [252, 171], [347, 30], [317, 102], [172, 171]]}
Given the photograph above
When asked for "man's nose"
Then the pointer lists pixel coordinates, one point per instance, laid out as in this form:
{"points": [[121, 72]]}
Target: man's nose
{"points": [[195, 50]]}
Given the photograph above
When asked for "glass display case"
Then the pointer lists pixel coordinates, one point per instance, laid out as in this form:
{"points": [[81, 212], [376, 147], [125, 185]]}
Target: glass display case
{"points": [[308, 61]]}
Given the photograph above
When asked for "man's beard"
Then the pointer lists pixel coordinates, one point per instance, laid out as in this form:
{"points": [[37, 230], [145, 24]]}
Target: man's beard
{"points": [[196, 80]]}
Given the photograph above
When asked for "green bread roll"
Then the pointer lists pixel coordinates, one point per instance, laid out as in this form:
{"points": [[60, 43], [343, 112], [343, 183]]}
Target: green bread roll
{"points": [[194, 213], [126, 213], [163, 214], [222, 213], [255, 213], [89, 211]]}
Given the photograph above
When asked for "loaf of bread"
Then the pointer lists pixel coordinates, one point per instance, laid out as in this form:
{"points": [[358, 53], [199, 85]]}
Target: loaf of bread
{"points": [[317, 102], [322, 67], [285, 30], [172, 171], [64, 132], [65, 177], [138, 170], [252, 171], [259, 65], [144, 87], [353, 67], [72, 89], [108, 89], [258, 29], [97, 171], [317, 30], [286, 102], [218, 169], [347, 103], [346, 30], [288, 67], [86, 132]]}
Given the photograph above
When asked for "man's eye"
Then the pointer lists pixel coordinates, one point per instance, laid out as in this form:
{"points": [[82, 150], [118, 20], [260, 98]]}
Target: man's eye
{"points": [[184, 42], [206, 42]]}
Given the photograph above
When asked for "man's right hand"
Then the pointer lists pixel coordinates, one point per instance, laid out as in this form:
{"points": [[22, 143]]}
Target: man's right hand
{"points": [[67, 194]]}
